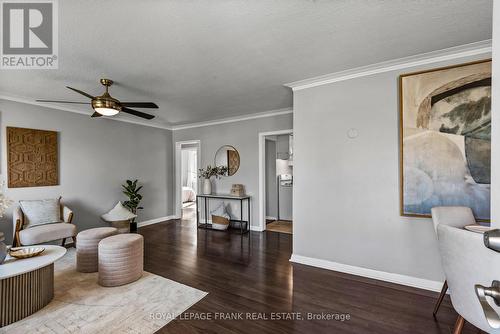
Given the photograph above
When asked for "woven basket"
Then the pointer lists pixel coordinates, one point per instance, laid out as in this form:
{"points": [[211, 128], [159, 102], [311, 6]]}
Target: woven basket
{"points": [[220, 223]]}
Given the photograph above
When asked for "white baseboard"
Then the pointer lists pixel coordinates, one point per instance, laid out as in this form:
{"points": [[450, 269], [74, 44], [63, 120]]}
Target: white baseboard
{"points": [[156, 220], [414, 282], [271, 218]]}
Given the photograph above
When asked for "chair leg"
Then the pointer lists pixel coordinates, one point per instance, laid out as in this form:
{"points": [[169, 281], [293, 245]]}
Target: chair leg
{"points": [[63, 242], [440, 298], [74, 241], [459, 325]]}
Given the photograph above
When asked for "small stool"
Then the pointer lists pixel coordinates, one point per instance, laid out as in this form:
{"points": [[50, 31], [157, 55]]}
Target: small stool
{"points": [[86, 247], [120, 259]]}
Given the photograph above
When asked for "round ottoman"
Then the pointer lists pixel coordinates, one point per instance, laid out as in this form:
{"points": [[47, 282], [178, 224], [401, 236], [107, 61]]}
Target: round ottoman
{"points": [[86, 247], [120, 259]]}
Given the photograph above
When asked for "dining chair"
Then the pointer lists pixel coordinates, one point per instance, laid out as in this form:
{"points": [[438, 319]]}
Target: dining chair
{"points": [[466, 263], [456, 216]]}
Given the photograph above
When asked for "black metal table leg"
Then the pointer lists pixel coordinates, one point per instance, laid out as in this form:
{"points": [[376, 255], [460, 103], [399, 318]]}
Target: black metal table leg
{"points": [[197, 213], [241, 217], [249, 220], [249, 231], [206, 212]]}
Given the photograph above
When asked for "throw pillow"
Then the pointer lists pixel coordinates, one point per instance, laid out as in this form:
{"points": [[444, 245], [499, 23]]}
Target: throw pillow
{"points": [[118, 213], [41, 212], [220, 211]]}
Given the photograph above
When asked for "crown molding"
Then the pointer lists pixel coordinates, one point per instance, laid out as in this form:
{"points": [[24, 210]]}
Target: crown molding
{"points": [[467, 50], [462, 51], [246, 117], [26, 100]]}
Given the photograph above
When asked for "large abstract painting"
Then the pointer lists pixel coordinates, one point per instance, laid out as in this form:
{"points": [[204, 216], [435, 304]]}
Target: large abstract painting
{"points": [[32, 158], [446, 139]]}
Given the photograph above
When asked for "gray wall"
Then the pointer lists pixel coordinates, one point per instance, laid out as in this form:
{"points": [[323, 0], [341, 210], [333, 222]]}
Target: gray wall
{"points": [[271, 196], [346, 196], [95, 157], [243, 135]]}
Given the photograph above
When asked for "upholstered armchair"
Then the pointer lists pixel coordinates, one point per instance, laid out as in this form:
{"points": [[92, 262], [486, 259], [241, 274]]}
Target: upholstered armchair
{"points": [[467, 262], [455, 216], [24, 234]]}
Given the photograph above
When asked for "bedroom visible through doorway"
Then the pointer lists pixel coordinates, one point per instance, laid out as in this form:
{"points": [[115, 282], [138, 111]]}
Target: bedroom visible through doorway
{"points": [[189, 179]]}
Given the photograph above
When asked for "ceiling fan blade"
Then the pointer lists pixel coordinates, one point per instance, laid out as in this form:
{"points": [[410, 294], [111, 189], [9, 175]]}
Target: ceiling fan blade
{"points": [[137, 113], [96, 114], [62, 101], [140, 104], [80, 92]]}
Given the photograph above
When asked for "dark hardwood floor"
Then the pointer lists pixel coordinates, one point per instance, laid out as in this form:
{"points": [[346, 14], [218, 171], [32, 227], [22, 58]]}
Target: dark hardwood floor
{"points": [[257, 279]]}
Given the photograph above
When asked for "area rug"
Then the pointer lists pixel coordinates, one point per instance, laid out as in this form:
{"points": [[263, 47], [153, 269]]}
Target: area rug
{"points": [[80, 305]]}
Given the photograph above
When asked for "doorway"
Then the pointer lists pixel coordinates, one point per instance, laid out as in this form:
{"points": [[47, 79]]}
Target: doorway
{"points": [[187, 165], [276, 181]]}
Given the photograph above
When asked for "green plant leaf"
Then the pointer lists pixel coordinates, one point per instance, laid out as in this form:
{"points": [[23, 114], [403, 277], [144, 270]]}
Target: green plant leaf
{"points": [[131, 190]]}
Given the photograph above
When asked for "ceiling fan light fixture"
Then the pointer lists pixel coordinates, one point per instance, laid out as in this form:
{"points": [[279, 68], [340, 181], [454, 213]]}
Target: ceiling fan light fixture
{"points": [[106, 105], [107, 111]]}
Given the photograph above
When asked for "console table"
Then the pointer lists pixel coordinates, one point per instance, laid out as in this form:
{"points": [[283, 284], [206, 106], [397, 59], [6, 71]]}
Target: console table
{"points": [[205, 199], [27, 285]]}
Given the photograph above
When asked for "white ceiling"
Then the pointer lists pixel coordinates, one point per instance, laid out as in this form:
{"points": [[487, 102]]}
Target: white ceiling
{"points": [[204, 60]]}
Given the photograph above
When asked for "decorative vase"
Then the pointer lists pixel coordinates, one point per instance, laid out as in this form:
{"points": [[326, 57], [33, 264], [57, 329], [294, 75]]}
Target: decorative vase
{"points": [[133, 226], [207, 187]]}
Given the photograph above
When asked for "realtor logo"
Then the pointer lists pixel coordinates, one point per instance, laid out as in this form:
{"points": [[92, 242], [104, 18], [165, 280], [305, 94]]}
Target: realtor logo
{"points": [[29, 34]]}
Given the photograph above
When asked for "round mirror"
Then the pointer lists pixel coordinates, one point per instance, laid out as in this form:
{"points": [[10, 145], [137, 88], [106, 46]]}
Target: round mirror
{"points": [[228, 156]]}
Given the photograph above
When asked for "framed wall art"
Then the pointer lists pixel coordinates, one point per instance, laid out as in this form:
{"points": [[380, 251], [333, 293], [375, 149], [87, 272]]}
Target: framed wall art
{"points": [[32, 158], [445, 139]]}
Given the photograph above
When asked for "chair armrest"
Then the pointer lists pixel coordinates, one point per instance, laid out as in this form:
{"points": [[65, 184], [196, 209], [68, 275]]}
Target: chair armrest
{"points": [[17, 218], [17, 225], [67, 214]]}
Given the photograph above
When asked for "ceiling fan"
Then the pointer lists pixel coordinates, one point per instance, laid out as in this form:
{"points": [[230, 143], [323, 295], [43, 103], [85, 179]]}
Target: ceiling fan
{"points": [[105, 105]]}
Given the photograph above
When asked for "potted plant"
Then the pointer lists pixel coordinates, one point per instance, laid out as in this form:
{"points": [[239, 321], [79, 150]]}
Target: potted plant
{"points": [[207, 173], [131, 190]]}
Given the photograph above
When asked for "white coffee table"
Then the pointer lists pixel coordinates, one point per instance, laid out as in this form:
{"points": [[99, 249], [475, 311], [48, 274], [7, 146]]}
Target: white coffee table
{"points": [[27, 285]]}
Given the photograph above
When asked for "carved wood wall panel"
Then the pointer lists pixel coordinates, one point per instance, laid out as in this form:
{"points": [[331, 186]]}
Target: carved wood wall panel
{"points": [[32, 158]]}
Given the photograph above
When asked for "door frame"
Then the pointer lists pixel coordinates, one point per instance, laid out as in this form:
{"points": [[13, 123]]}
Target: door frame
{"points": [[262, 174], [178, 172]]}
